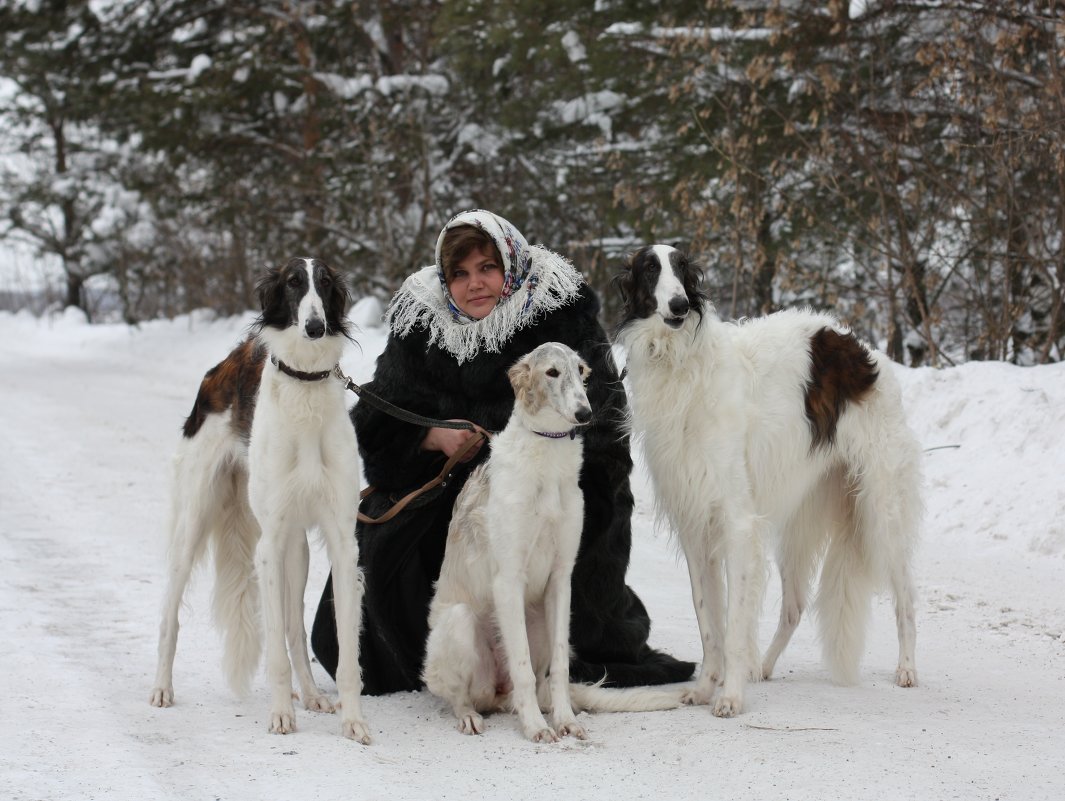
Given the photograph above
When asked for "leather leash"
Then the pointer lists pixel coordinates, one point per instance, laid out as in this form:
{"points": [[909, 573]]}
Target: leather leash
{"points": [[395, 411]]}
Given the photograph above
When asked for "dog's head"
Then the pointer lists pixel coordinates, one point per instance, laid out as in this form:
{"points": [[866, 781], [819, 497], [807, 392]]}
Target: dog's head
{"points": [[307, 295], [549, 387], [660, 280]]}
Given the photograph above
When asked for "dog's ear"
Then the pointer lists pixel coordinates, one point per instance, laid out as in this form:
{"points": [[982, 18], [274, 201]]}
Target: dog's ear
{"points": [[270, 291], [520, 376], [339, 297], [268, 287], [691, 276], [623, 280], [585, 370]]}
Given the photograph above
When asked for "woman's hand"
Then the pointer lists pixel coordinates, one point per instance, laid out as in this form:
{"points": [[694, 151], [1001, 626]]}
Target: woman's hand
{"points": [[449, 440]]}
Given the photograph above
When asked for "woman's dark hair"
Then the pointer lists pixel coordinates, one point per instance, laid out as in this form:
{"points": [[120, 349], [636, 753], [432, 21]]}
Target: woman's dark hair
{"points": [[459, 242]]}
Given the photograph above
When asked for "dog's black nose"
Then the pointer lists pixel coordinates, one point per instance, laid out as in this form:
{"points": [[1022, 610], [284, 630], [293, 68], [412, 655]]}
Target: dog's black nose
{"points": [[315, 328], [584, 415], [679, 306]]}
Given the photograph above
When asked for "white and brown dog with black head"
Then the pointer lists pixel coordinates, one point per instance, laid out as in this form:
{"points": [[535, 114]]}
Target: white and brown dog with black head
{"points": [[268, 452], [499, 618], [782, 430]]}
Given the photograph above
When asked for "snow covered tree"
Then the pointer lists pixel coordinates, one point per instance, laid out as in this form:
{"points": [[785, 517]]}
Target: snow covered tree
{"points": [[60, 188]]}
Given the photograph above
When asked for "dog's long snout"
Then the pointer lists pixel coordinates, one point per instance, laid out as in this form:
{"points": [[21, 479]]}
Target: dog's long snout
{"points": [[679, 306], [583, 415], [315, 328]]}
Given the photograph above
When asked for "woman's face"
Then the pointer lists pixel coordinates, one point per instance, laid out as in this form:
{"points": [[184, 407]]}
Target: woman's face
{"points": [[476, 283]]}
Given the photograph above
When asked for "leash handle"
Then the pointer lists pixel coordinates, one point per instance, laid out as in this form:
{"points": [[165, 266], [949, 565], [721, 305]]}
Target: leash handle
{"points": [[480, 435]]}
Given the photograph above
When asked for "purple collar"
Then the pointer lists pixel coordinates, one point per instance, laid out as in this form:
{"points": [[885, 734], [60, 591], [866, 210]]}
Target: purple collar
{"points": [[572, 433]]}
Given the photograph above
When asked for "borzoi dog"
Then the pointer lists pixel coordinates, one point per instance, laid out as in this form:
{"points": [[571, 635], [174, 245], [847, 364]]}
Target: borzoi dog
{"points": [[268, 452], [499, 619], [783, 428]]}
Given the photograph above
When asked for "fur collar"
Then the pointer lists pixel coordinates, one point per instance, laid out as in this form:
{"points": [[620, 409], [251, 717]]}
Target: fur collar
{"points": [[421, 303]]}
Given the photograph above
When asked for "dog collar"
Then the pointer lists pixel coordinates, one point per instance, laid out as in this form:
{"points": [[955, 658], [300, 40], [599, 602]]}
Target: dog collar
{"points": [[302, 376], [572, 433]]}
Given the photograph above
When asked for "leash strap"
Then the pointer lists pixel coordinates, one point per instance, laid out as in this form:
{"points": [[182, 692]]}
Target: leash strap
{"points": [[480, 435], [401, 414]]}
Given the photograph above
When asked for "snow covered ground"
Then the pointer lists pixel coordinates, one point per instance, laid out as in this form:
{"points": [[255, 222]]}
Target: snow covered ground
{"points": [[91, 415]]}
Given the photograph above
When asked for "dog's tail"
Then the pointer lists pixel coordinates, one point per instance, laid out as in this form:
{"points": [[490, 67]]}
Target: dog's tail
{"points": [[596, 698], [236, 591]]}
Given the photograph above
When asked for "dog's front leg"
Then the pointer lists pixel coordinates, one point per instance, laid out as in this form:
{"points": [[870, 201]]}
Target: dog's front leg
{"points": [[269, 562], [708, 597], [348, 590], [508, 595], [557, 609], [297, 562], [745, 571]]}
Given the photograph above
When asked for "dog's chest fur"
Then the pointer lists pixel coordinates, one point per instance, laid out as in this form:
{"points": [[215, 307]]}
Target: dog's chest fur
{"points": [[523, 485], [531, 493], [300, 441]]}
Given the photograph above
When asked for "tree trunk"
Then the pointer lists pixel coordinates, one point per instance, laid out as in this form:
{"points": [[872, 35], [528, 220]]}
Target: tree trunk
{"points": [[75, 292]]}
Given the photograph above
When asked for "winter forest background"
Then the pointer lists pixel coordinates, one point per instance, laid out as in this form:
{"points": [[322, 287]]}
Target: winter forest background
{"points": [[900, 163]]}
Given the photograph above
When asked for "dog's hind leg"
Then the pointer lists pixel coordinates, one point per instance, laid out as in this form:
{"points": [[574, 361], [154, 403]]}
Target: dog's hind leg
{"points": [[297, 563], [348, 591], [193, 507], [843, 597], [236, 590], [906, 621], [459, 665], [887, 513], [798, 550]]}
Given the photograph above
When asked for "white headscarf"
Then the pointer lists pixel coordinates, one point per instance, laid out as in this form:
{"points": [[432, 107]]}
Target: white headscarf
{"points": [[535, 280]]}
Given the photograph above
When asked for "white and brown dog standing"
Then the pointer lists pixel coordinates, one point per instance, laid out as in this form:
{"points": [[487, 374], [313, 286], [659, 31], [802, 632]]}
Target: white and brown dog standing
{"points": [[499, 619], [267, 453], [784, 429]]}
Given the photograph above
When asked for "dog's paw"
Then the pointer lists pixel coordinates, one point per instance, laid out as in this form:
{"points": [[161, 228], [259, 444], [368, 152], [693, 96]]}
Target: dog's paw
{"points": [[355, 730], [319, 703], [727, 706], [544, 735], [162, 697], [906, 677], [471, 723], [696, 696], [573, 729], [282, 722]]}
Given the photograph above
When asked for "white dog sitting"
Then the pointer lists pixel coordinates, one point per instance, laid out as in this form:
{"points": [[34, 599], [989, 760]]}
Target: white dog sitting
{"points": [[499, 621]]}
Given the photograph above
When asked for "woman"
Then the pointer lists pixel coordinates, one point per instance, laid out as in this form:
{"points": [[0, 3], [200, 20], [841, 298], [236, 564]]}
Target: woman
{"points": [[454, 329]]}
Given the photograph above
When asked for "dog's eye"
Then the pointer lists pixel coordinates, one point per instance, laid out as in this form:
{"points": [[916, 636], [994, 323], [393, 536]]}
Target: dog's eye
{"points": [[552, 373], [294, 279]]}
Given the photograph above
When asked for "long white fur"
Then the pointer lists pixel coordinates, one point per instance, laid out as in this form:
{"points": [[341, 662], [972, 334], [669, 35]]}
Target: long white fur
{"points": [[719, 409], [299, 470], [499, 619]]}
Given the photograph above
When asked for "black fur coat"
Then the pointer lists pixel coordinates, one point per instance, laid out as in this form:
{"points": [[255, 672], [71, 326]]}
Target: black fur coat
{"points": [[401, 558]]}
